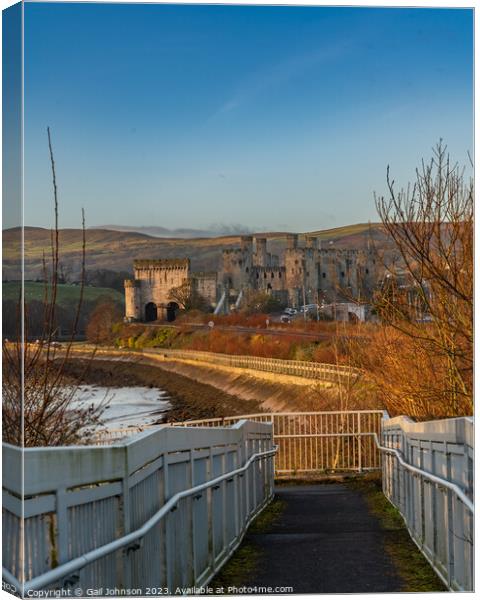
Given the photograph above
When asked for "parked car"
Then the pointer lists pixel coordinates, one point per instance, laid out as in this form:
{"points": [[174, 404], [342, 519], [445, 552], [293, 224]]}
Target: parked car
{"points": [[308, 307], [290, 311]]}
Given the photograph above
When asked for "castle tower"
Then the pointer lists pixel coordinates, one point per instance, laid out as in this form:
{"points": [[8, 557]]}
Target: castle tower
{"points": [[294, 270], [311, 269], [132, 300], [236, 271], [246, 243], [261, 257], [292, 241]]}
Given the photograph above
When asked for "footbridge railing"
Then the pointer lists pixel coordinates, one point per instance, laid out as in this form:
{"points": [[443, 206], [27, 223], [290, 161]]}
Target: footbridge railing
{"points": [[299, 368], [427, 471], [324, 372], [308, 442], [106, 514], [156, 513], [428, 477]]}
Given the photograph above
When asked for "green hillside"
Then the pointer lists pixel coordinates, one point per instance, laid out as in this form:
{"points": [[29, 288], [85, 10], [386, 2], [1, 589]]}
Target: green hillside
{"points": [[66, 294]]}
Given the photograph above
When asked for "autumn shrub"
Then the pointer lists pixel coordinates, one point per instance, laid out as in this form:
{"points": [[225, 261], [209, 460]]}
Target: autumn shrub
{"points": [[324, 354], [100, 328], [408, 375]]}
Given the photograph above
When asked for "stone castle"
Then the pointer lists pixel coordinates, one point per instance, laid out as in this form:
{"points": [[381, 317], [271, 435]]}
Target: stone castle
{"points": [[304, 275]]}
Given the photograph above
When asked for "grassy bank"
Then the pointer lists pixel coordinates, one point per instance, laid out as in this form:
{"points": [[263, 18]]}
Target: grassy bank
{"points": [[67, 294], [285, 345]]}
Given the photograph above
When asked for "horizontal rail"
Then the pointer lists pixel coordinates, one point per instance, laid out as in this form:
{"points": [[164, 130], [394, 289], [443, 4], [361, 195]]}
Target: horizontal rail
{"points": [[316, 442], [275, 365], [309, 441], [321, 435], [426, 475], [113, 434], [12, 580], [89, 557], [286, 414]]}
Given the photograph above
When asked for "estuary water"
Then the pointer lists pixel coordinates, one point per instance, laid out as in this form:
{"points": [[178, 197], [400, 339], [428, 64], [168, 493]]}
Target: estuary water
{"points": [[126, 406]]}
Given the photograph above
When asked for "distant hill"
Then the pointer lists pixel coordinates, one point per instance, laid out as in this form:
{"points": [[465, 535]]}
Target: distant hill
{"points": [[116, 250], [163, 232]]}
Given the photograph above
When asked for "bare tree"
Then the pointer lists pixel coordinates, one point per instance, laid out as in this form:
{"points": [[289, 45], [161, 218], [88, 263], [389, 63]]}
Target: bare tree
{"points": [[39, 406], [187, 297], [422, 359]]}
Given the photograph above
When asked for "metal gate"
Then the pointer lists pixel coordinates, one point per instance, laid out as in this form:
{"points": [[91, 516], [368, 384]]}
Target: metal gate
{"points": [[316, 442]]}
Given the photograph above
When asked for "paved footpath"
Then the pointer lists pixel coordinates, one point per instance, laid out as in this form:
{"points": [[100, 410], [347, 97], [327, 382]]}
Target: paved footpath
{"points": [[325, 541]]}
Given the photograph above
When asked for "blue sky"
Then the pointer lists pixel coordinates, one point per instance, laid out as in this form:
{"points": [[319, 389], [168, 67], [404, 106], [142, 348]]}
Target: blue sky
{"points": [[275, 117]]}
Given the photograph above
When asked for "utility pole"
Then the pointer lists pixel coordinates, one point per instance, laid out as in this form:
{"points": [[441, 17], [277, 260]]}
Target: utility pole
{"points": [[304, 307]]}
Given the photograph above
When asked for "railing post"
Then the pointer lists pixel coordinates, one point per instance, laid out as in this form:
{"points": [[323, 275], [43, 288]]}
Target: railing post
{"points": [[210, 523], [236, 494], [255, 476], [126, 573], [62, 525], [359, 443], [433, 503], [246, 478], [224, 504], [449, 532], [167, 538], [191, 514], [422, 497]]}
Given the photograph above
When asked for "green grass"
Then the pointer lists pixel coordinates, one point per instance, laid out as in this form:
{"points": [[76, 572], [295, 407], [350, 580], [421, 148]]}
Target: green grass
{"points": [[412, 566], [66, 293]]}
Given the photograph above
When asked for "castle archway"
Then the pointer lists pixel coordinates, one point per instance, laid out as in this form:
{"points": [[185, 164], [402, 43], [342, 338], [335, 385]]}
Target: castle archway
{"points": [[172, 308], [150, 312]]}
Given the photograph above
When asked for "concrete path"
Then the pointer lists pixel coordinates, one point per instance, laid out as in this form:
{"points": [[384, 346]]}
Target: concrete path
{"points": [[325, 541]]}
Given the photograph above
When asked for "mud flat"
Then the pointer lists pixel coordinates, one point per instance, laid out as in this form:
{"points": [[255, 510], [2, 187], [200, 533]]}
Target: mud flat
{"points": [[200, 390], [188, 399]]}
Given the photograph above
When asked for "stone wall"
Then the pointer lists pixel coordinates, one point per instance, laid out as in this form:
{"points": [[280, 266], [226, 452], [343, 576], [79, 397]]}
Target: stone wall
{"points": [[206, 286]]}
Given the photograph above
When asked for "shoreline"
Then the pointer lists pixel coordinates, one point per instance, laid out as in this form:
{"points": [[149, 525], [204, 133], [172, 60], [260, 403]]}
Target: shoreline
{"points": [[189, 399], [202, 391]]}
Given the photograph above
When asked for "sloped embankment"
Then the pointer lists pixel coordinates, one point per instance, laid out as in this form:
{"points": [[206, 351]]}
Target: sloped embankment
{"points": [[230, 390]]}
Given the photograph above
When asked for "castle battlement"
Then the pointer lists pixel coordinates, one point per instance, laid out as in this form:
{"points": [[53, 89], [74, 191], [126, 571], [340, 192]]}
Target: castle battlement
{"points": [[162, 263], [131, 283], [235, 250]]}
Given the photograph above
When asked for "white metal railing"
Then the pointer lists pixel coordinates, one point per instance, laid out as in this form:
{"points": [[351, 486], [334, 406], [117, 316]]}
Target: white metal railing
{"points": [[299, 368], [161, 511], [428, 476], [308, 442], [427, 471], [329, 373]]}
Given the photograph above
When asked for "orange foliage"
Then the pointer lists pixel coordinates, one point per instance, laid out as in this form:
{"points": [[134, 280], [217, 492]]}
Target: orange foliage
{"points": [[245, 344]]}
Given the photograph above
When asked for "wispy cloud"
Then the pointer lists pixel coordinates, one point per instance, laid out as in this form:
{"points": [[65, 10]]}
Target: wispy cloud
{"points": [[280, 74]]}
